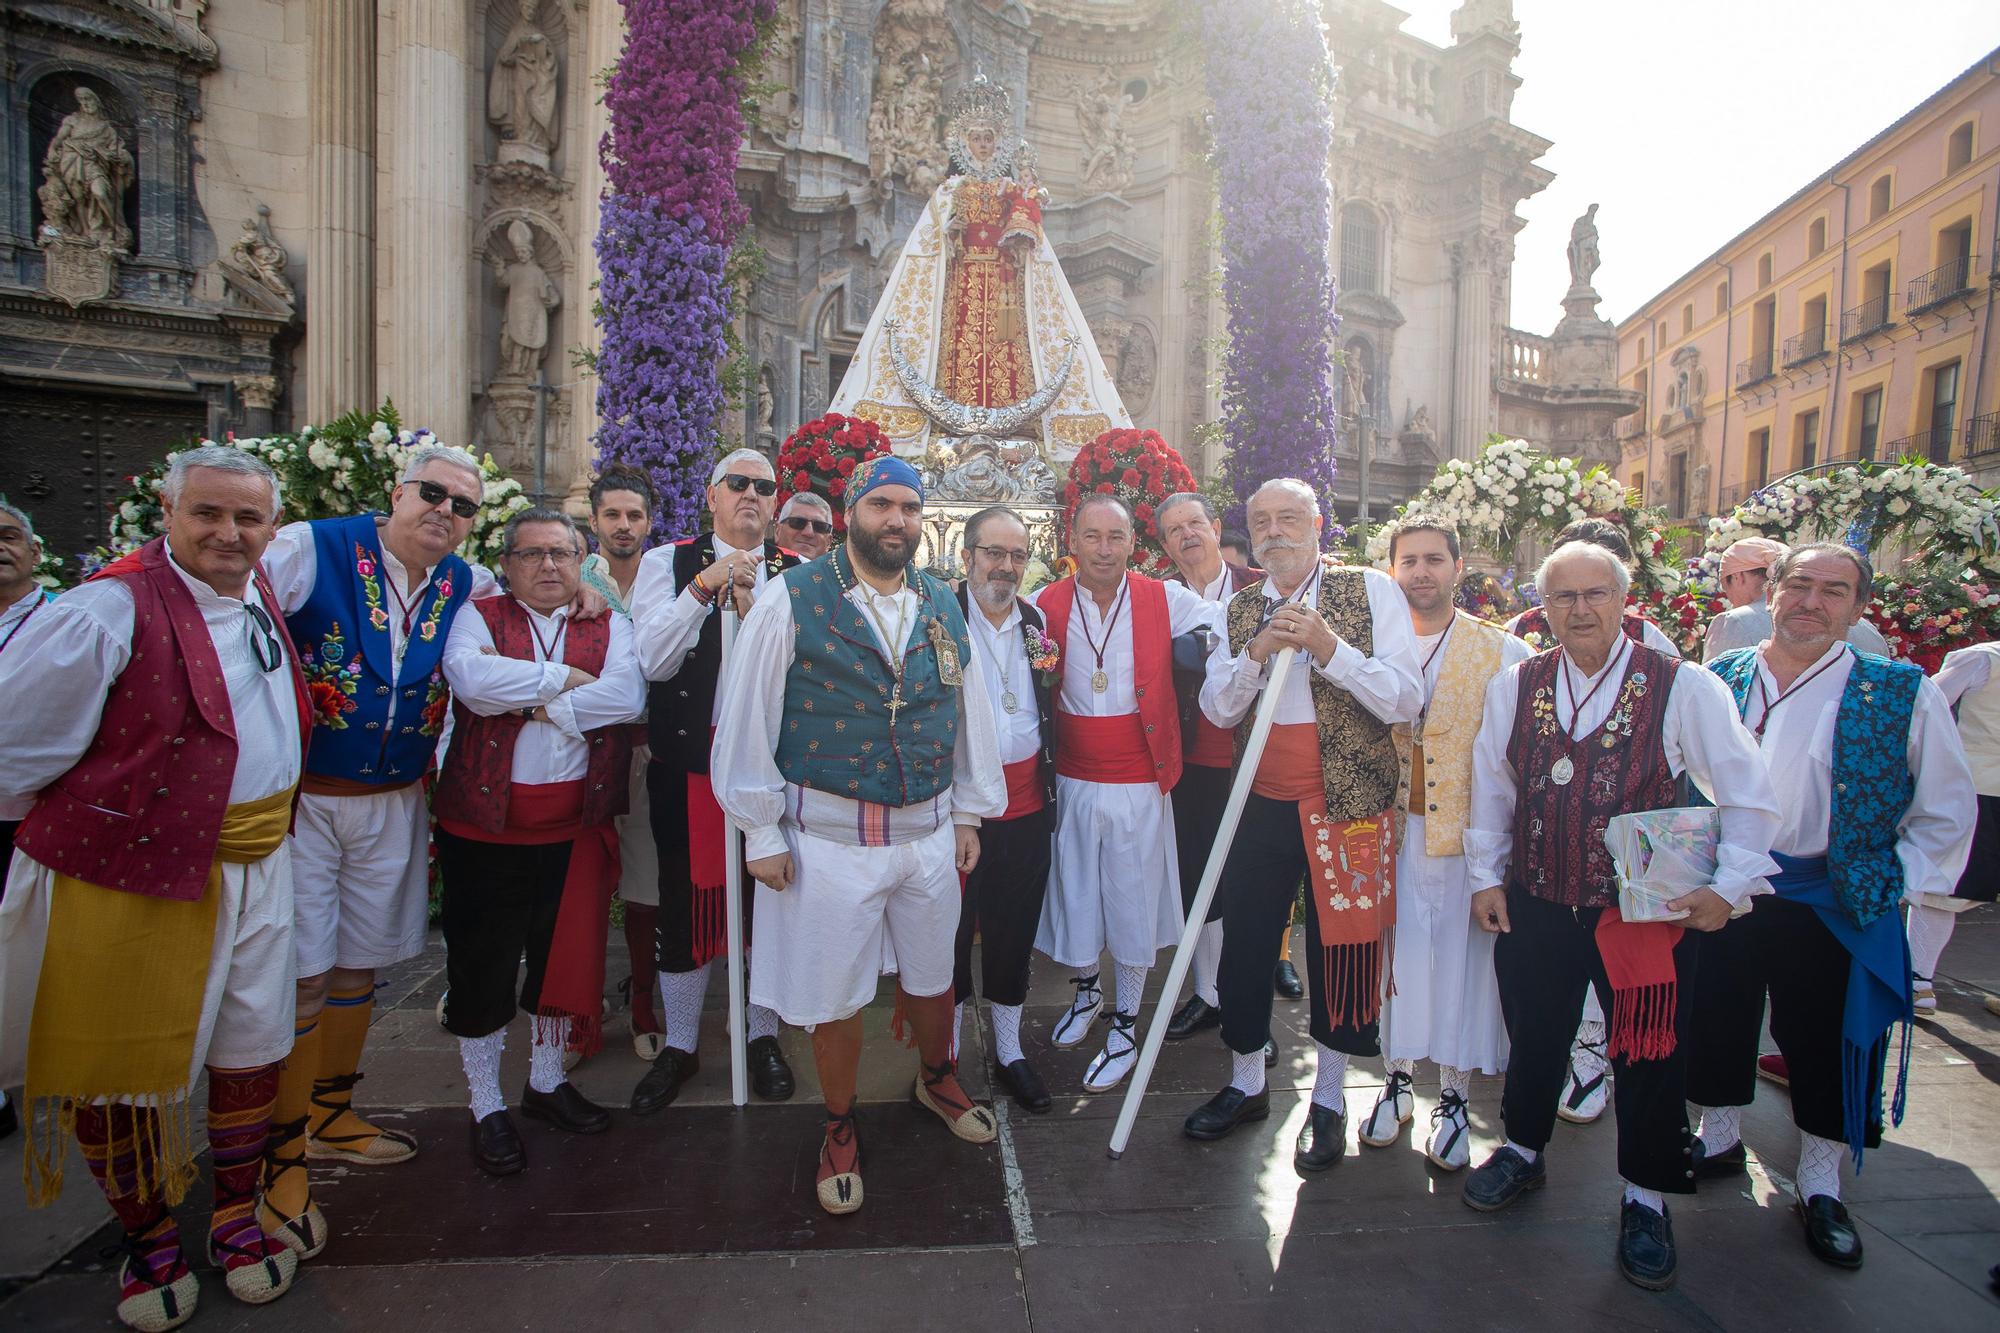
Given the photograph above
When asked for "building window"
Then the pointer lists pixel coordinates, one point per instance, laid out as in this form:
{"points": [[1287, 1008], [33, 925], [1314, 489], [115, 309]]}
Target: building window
{"points": [[1812, 328], [1721, 298], [1639, 386], [1878, 198], [1868, 424], [1760, 458], [1677, 480], [1639, 486], [1955, 258], [1809, 438], [1360, 249], [1642, 349], [1764, 269], [1687, 318], [1944, 411], [1958, 149], [1816, 238]]}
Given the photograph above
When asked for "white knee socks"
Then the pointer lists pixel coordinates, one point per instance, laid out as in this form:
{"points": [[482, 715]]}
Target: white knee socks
{"points": [[1930, 931], [1819, 1166], [1588, 1052], [545, 1057], [1246, 1072], [1329, 1083], [1453, 1079], [1131, 988], [761, 1021], [681, 997], [481, 1058], [1649, 1198], [1721, 1128], [1407, 1068], [1208, 962], [1006, 1032]]}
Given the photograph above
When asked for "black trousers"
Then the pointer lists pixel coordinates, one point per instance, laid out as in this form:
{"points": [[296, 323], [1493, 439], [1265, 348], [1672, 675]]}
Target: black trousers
{"points": [[1544, 963], [8, 827], [1981, 880], [1198, 800], [499, 902], [1782, 948], [667, 805], [1260, 883], [1003, 904]]}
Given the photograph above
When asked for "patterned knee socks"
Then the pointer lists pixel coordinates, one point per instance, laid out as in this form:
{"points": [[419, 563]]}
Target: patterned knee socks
{"points": [[1131, 988], [112, 1139], [682, 994], [481, 1058], [239, 1123], [1329, 1082], [545, 1057]]}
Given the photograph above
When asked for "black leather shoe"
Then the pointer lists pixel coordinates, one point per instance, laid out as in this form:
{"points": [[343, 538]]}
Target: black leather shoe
{"points": [[770, 1076], [1191, 1018], [496, 1145], [1025, 1084], [1504, 1177], [1322, 1139], [1227, 1109], [1270, 1052], [1646, 1247], [1829, 1233], [565, 1108], [1731, 1161], [663, 1081], [1286, 981]]}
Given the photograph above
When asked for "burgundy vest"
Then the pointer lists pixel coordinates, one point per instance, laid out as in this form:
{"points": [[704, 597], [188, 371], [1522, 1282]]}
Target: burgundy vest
{"points": [[478, 774], [142, 810], [1153, 659], [1559, 852]]}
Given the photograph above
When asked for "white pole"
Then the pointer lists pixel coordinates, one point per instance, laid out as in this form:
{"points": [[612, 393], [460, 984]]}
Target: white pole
{"points": [[732, 851], [1211, 875]]}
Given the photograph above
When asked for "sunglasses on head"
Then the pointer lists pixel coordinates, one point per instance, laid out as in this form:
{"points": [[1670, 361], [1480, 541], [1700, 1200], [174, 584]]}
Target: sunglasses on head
{"points": [[819, 525], [434, 495], [765, 486]]}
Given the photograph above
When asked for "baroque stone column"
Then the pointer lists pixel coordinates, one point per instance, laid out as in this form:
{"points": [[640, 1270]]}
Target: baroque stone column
{"points": [[340, 258], [428, 366], [603, 41], [1473, 260]]}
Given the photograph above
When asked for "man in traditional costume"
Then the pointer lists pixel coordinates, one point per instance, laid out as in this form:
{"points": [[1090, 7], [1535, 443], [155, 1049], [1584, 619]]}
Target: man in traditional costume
{"points": [[1115, 883], [1446, 1003], [1972, 688], [621, 519], [1318, 809], [1598, 726], [162, 752], [1876, 806], [1004, 892], [539, 766], [20, 598], [677, 609], [1743, 576], [1192, 535], [805, 525], [857, 751]]}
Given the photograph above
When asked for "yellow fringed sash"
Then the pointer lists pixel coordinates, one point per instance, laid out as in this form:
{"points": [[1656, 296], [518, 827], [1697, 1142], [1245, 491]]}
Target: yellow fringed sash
{"points": [[118, 1007]]}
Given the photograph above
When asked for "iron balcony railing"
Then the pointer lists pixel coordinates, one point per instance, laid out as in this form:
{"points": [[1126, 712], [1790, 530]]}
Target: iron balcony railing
{"points": [[1756, 370], [1804, 346], [1982, 435], [1866, 318], [1947, 280], [1933, 446]]}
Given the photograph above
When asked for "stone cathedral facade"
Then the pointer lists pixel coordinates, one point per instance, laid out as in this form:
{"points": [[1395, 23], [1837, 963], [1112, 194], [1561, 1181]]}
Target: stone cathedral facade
{"points": [[326, 203]]}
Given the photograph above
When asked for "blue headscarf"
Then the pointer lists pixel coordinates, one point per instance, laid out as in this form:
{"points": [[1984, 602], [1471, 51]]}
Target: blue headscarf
{"points": [[887, 470]]}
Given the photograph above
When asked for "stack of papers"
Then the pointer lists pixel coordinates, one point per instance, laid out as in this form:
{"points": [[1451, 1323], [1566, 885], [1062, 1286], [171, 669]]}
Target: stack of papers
{"points": [[1660, 855]]}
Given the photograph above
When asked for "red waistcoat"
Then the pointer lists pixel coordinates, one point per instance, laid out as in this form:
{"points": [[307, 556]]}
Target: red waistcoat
{"points": [[1152, 654], [142, 810], [478, 774]]}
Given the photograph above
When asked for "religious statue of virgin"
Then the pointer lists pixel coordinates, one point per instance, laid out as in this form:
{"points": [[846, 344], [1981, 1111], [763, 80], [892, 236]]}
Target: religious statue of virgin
{"points": [[977, 333]]}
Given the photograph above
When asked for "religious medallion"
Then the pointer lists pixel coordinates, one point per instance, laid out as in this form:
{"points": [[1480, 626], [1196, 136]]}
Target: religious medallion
{"points": [[1099, 681], [1562, 771]]}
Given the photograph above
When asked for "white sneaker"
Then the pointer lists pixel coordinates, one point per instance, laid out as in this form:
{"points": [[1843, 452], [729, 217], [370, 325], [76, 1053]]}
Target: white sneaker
{"points": [[1450, 1145], [1923, 999], [1073, 1028], [1115, 1061], [1588, 1086], [1393, 1109]]}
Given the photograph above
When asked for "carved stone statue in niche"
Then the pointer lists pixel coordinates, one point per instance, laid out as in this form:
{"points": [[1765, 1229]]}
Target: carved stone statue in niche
{"points": [[521, 94], [530, 295], [1107, 144], [86, 173], [258, 254], [1583, 254]]}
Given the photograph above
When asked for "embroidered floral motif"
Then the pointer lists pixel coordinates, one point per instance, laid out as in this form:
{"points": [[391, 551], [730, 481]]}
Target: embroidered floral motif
{"points": [[330, 685], [429, 628], [371, 587], [436, 701]]}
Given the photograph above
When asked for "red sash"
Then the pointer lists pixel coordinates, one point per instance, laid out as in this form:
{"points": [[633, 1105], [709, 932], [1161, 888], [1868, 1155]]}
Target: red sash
{"points": [[1024, 787], [1639, 963], [1213, 746], [1103, 749], [708, 867]]}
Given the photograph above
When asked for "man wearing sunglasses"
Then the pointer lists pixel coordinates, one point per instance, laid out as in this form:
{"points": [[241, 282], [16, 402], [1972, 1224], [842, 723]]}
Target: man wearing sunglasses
{"points": [[805, 525], [152, 880], [677, 607]]}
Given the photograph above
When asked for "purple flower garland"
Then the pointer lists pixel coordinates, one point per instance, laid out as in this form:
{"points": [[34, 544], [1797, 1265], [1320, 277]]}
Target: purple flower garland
{"points": [[670, 216], [1271, 79]]}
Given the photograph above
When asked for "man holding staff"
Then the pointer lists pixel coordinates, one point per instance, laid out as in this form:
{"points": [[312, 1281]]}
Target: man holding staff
{"points": [[1319, 807]]}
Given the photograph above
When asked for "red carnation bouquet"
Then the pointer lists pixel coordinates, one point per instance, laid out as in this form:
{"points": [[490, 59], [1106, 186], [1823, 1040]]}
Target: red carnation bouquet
{"points": [[822, 454], [1139, 468]]}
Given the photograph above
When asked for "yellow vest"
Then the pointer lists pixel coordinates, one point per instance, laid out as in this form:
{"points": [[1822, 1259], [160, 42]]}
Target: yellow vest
{"points": [[1472, 657]]}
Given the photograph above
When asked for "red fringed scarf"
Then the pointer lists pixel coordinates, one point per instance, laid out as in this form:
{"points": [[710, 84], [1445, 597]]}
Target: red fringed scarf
{"points": [[1639, 960]]}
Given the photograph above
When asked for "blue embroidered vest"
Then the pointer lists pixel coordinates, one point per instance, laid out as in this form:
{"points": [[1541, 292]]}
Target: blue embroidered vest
{"points": [[838, 736], [367, 728], [1872, 786]]}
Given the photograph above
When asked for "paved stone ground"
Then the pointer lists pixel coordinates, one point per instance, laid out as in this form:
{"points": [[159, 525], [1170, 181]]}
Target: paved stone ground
{"points": [[702, 1217]]}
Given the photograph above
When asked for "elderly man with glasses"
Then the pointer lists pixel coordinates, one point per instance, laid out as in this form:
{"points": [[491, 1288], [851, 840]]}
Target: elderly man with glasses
{"points": [[678, 603], [805, 526], [538, 769], [148, 913]]}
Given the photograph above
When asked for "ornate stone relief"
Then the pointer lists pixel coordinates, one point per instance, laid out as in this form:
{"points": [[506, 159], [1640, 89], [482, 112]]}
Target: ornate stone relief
{"points": [[1108, 150], [914, 54], [254, 268]]}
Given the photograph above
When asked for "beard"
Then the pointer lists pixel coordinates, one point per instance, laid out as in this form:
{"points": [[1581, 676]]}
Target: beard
{"points": [[995, 592], [869, 546]]}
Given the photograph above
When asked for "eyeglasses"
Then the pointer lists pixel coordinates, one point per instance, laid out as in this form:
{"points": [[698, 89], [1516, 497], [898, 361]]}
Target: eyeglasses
{"points": [[533, 556], [1590, 597], [819, 525], [434, 495], [1005, 555], [765, 486], [265, 645]]}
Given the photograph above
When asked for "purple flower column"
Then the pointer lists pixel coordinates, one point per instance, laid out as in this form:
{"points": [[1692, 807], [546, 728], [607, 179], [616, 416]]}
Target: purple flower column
{"points": [[1271, 81], [670, 216]]}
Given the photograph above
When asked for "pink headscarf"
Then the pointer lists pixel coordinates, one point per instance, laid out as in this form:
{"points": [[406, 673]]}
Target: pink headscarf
{"points": [[1751, 553]]}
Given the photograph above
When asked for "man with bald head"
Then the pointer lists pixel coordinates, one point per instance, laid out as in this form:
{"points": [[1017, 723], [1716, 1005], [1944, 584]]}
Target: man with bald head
{"points": [[1115, 884], [1598, 726]]}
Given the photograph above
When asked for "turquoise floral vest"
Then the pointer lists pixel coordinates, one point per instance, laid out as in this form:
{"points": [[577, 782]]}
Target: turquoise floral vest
{"points": [[1872, 786], [838, 734]]}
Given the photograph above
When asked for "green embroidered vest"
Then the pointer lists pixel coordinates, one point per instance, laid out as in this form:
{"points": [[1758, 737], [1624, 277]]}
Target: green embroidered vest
{"points": [[839, 735]]}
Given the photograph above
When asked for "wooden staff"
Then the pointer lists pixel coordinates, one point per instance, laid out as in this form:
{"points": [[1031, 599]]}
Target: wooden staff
{"points": [[1197, 915], [732, 894]]}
